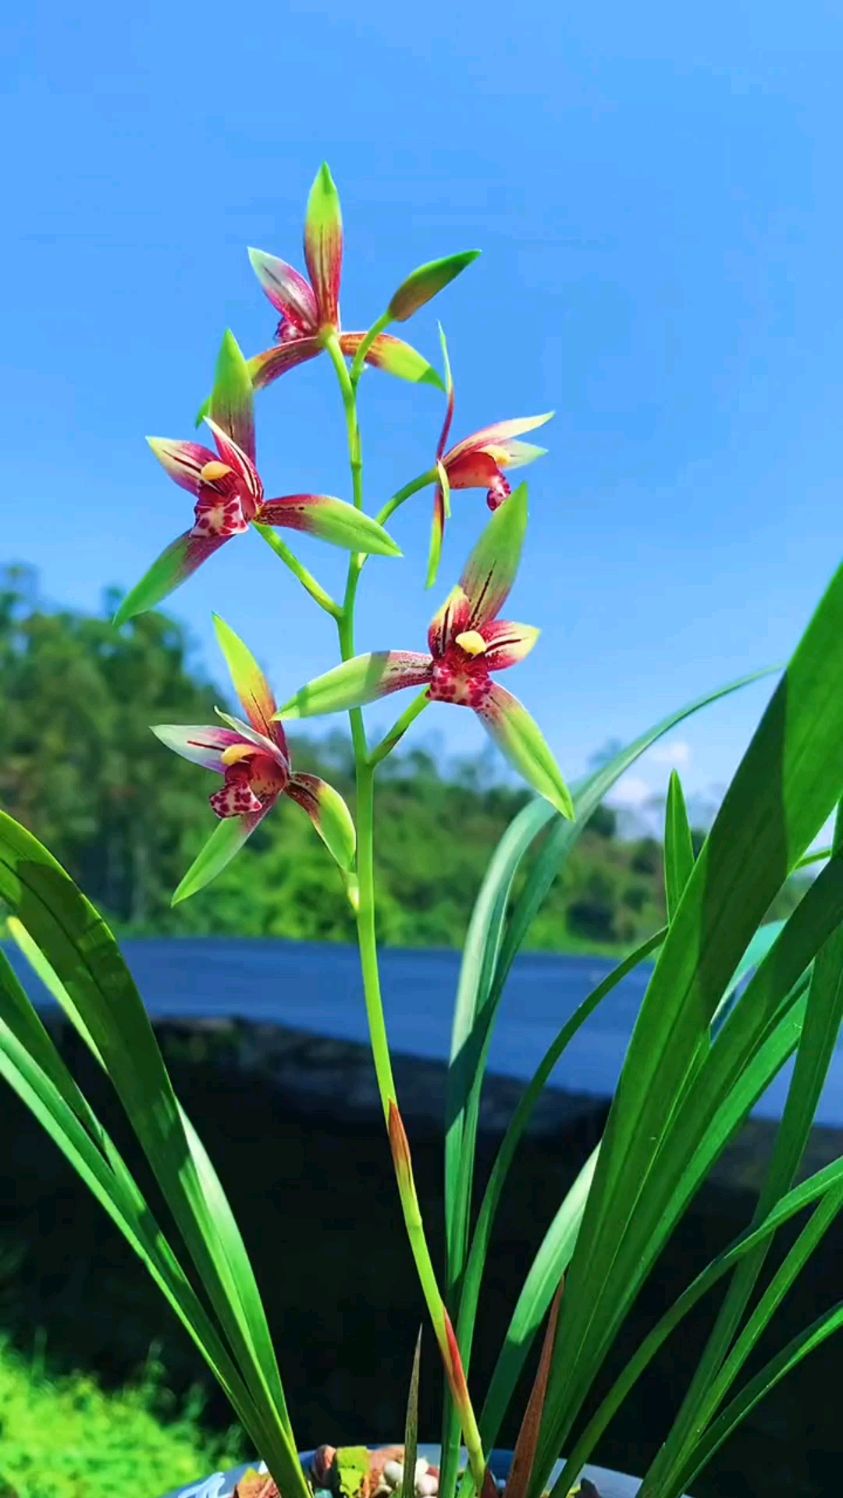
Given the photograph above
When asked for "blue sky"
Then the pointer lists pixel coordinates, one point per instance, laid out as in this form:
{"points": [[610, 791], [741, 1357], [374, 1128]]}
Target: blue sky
{"points": [[657, 194]]}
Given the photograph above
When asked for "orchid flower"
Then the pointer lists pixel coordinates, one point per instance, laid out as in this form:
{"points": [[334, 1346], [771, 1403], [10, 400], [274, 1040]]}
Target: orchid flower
{"points": [[309, 309], [229, 493], [476, 463], [255, 764], [467, 644]]}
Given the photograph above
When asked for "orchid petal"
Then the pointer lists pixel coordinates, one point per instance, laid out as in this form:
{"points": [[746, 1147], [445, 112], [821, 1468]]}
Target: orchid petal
{"points": [[248, 680], [202, 744], [168, 572], [471, 469], [276, 749], [506, 643], [236, 458], [329, 815], [500, 432], [232, 401], [490, 570], [288, 291], [358, 681], [392, 355], [449, 388], [426, 282], [514, 454], [441, 512], [452, 619], [323, 245], [331, 520], [275, 361], [519, 737], [183, 461], [226, 839]]}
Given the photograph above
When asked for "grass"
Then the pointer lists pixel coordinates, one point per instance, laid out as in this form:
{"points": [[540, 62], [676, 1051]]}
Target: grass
{"points": [[67, 1438]]}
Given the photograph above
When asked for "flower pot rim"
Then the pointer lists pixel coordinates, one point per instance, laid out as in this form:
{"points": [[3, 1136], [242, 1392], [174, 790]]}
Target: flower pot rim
{"points": [[222, 1484]]}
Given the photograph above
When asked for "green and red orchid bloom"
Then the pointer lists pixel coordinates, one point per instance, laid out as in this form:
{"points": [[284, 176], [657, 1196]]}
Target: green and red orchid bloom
{"points": [[309, 308], [254, 761], [467, 644], [229, 495], [477, 462]]}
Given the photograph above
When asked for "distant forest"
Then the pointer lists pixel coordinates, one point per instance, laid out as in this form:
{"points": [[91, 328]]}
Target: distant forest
{"points": [[79, 766]]}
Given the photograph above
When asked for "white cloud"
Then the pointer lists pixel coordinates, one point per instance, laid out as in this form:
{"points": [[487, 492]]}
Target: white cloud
{"points": [[676, 753], [632, 792]]}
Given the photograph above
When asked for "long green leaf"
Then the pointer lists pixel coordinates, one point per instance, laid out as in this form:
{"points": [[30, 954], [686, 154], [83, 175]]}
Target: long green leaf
{"points": [[79, 947], [763, 1030], [792, 1265], [515, 1131], [829, 1179], [678, 845], [817, 1045], [771, 1374], [490, 951], [488, 955], [411, 1425], [34, 1069], [784, 789]]}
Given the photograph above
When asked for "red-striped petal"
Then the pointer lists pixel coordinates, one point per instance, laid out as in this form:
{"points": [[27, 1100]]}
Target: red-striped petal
{"points": [[288, 291], [493, 564], [235, 457], [500, 432], [471, 470], [323, 245], [275, 361], [330, 519], [451, 620], [201, 743], [506, 643], [248, 680], [183, 461], [232, 404]]}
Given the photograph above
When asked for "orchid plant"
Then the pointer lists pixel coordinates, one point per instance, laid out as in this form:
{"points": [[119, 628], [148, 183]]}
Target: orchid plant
{"points": [[730, 998]]}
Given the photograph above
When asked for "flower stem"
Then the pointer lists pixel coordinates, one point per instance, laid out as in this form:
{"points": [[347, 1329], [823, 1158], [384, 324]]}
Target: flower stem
{"points": [[398, 729], [367, 935], [298, 569], [357, 362]]}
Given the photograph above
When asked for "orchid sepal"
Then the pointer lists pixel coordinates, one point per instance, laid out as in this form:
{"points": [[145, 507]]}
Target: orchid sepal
{"points": [[356, 682], [521, 740], [169, 570], [323, 245], [491, 569], [231, 406], [332, 520], [225, 841], [425, 282], [441, 513], [329, 814], [250, 683]]}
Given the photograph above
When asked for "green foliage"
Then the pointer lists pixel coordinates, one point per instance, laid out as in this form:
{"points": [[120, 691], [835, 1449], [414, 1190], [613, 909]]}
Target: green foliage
{"points": [[79, 766], [66, 1438]]}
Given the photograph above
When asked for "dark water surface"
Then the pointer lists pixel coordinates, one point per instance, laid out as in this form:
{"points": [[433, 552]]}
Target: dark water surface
{"points": [[316, 987]]}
